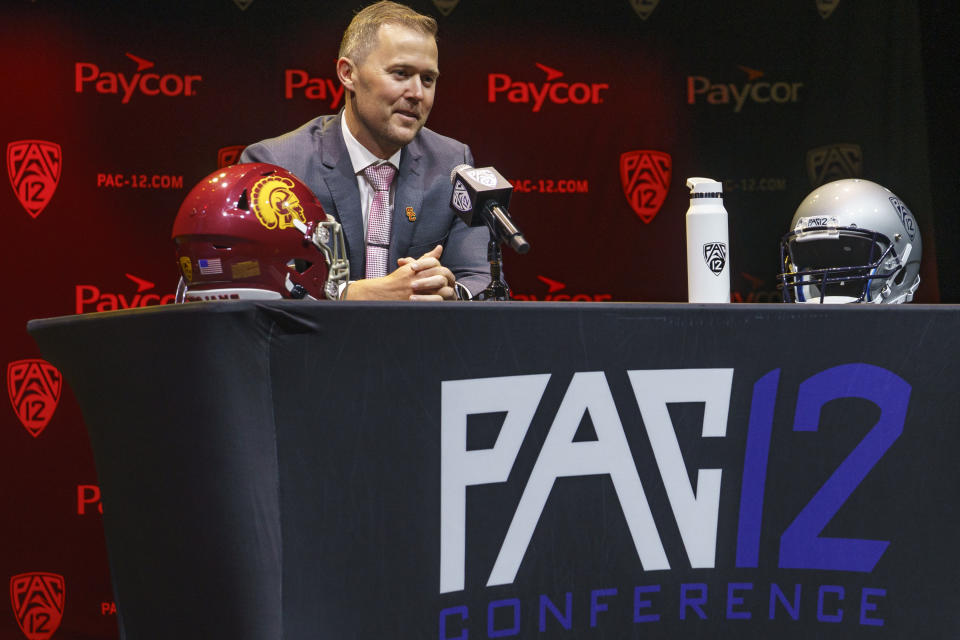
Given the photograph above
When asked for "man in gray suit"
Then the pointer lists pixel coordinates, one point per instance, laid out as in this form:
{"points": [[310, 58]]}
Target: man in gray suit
{"points": [[381, 173]]}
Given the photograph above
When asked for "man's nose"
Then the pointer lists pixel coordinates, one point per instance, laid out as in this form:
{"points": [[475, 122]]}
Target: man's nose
{"points": [[414, 88]]}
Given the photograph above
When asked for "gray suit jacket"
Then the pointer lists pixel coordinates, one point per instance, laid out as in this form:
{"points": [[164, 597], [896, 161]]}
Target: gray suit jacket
{"points": [[316, 154]]}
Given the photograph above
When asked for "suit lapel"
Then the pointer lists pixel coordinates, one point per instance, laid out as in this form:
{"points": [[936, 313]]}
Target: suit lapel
{"points": [[337, 173], [409, 196]]}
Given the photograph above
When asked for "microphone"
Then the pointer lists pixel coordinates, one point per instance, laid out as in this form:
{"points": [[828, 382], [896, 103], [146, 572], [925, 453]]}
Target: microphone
{"points": [[480, 197]]}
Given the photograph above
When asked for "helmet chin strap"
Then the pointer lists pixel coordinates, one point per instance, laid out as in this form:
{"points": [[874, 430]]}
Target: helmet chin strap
{"points": [[296, 291]]}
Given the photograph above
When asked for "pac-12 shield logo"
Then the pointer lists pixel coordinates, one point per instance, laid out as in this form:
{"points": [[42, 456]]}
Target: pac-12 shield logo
{"points": [[644, 7], [715, 255], [484, 176], [446, 6], [906, 217], [37, 600], [461, 199], [34, 389], [227, 156], [275, 203], [834, 162], [34, 170], [826, 7], [645, 176]]}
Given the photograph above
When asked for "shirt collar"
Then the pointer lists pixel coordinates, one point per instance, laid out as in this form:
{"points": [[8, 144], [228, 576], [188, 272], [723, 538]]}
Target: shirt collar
{"points": [[360, 156]]}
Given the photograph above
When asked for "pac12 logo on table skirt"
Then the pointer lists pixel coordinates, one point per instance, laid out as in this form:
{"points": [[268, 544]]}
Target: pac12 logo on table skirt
{"points": [[37, 599], [34, 170], [34, 388], [645, 176]]}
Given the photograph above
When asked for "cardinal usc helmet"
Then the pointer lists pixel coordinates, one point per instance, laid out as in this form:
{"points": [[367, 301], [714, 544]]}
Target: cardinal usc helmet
{"points": [[851, 241], [255, 231]]}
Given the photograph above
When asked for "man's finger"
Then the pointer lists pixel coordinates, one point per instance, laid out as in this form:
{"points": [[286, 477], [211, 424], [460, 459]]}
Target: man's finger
{"points": [[433, 253], [423, 264], [431, 282]]}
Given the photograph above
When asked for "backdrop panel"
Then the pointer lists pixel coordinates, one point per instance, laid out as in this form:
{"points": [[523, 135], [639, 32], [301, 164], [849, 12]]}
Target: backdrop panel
{"points": [[597, 112]]}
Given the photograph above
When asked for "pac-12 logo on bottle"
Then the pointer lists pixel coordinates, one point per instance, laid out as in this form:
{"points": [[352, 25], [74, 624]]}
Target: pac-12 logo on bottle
{"points": [[715, 255]]}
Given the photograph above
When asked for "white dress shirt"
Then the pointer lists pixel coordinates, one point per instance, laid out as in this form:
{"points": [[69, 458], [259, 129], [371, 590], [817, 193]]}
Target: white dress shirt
{"points": [[361, 158]]}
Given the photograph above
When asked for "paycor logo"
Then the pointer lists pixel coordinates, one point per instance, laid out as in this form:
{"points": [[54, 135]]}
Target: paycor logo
{"points": [[703, 89], [299, 83], [89, 75], [520, 92], [90, 298]]}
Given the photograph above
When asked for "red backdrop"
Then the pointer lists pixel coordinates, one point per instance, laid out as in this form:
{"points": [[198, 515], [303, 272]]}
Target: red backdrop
{"points": [[598, 112]]}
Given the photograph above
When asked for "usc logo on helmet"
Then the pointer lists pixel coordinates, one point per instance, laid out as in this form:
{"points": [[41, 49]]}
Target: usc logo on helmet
{"points": [[275, 203]]}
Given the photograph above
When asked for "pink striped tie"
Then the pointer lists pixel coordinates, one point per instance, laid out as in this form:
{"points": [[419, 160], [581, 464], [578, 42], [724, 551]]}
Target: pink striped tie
{"points": [[378, 223]]}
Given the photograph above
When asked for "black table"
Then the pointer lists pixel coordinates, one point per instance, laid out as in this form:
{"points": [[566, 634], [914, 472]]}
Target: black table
{"points": [[360, 470]]}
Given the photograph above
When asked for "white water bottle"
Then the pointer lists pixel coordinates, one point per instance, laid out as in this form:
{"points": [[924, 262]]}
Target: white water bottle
{"points": [[708, 243]]}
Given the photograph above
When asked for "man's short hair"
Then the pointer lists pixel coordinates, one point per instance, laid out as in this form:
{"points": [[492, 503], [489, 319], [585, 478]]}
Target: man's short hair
{"points": [[361, 34]]}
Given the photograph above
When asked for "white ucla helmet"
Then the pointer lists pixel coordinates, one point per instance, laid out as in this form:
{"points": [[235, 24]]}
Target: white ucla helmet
{"points": [[851, 241]]}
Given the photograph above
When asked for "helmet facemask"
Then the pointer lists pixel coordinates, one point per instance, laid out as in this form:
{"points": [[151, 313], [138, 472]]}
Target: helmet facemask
{"points": [[327, 237], [837, 264]]}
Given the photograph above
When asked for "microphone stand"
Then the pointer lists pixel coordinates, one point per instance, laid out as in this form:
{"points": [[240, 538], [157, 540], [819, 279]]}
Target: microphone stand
{"points": [[497, 289]]}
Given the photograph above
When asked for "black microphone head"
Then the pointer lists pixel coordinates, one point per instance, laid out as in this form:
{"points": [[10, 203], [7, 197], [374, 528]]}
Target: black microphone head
{"points": [[475, 191], [476, 187], [457, 169]]}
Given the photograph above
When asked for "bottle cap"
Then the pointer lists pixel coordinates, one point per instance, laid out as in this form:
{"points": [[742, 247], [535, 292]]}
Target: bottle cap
{"points": [[704, 188]]}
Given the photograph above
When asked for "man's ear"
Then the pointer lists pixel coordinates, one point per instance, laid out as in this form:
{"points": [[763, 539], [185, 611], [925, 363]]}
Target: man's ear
{"points": [[345, 71]]}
